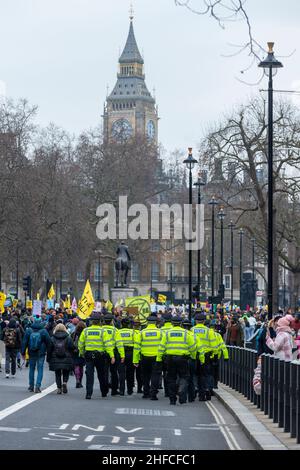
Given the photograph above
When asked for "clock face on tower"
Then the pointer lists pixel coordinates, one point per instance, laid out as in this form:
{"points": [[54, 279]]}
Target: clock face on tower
{"points": [[121, 130], [151, 130]]}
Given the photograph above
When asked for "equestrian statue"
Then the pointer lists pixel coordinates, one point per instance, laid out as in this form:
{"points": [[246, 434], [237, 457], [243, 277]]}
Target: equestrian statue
{"points": [[122, 264]]}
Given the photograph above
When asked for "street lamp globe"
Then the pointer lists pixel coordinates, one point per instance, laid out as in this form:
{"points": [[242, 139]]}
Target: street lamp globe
{"points": [[190, 162], [270, 64], [221, 213], [213, 201]]}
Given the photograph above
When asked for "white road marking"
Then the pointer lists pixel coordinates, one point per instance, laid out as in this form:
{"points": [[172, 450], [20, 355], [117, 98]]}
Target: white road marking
{"points": [[226, 427], [143, 412], [2, 429], [177, 432], [220, 420], [21, 404]]}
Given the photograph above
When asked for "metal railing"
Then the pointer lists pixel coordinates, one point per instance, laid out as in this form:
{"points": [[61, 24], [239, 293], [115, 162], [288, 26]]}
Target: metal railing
{"points": [[280, 385]]}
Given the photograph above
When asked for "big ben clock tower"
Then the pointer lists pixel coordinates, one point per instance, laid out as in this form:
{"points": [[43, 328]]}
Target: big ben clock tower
{"points": [[130, 110]]}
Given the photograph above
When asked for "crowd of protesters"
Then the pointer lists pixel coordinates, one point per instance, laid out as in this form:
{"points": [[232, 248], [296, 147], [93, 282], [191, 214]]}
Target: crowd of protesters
{"points": [[53, 337]]}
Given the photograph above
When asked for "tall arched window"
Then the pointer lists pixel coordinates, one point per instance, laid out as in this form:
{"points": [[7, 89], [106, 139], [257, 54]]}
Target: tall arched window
{"points": [[135, 272]]}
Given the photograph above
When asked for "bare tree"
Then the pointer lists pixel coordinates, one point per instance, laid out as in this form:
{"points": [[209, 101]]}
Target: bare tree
{"points": [[239, 144]]}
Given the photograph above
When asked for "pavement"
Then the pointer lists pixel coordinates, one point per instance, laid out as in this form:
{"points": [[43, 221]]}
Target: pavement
{"points": [[263, 433], [66, 422]]}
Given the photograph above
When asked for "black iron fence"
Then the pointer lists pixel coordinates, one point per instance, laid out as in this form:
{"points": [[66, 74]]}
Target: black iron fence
{"points": [[280, 385]]}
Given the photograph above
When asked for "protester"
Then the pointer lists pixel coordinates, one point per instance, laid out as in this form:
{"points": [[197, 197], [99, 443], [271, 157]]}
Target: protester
{"points": [[36, 340], [11, 335], [79, 362], [235, 334], [282, 345], [60, 357]]}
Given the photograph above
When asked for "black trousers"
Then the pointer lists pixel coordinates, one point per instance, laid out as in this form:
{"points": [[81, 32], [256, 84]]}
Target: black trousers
{"points": [[98, 361], [11, 360], [177, 367], [151, 374], [205, 374], [165, 376], [215, 372], [114, 371], [64, 373], [126, 372], [139, 377], [151, 371], [189, 392]]}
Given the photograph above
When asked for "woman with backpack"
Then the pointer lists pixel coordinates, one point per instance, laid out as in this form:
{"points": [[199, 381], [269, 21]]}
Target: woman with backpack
{"points": [[60, 357], [79, 362], [12, 338]]}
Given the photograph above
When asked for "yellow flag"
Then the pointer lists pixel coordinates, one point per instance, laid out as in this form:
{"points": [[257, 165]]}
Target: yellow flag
{"points": [[15, 303], [143, 304], [37, 296], [119, 303], [51, 293], [28, 304], [67, 302], [2, 300], [161, 298], [109, 306], [86, 303]]}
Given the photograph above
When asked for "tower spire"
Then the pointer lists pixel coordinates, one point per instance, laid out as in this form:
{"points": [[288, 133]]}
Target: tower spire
{"points": [[131, 12]]}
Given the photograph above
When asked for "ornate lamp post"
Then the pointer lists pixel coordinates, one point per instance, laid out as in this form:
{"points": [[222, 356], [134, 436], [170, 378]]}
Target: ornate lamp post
{"points": [[270, 65], [190, 162]]}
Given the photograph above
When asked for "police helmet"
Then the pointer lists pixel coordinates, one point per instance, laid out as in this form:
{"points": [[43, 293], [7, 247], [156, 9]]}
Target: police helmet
{"points": [[126, 321], [200, 316], [187, 324], [95, 316], [108, 318], [152, 318], [176, 320]]}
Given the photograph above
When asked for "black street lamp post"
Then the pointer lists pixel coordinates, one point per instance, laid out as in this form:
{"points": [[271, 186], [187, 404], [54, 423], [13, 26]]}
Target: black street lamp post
{"points": [[222, 216], [284, 283], [17, 280], [241, 233], [190, 162], [270, 65], [200, 182], [231, 227], [213, 203], [98, 252], [253, 267]]}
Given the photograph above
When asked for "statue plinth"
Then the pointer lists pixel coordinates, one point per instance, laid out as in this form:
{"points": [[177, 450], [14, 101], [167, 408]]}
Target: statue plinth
{"points": [[121, 293]]}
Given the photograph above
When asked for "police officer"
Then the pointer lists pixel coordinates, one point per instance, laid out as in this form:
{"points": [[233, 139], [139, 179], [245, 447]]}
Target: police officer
{"points": [[93, 345], [207, 345], [119, 354], [126, 369], [222, 351], [146, 346], [190, 390], [177, 345], [167, 326], [138, 370]]}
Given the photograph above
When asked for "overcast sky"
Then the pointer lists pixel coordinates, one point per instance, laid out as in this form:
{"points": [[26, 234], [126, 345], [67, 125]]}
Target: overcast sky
{"points": [[62, 54]]}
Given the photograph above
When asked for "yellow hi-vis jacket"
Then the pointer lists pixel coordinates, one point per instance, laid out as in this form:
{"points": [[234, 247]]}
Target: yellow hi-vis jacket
{"points": [[177, 342], [206, 339], [222, 349], [127, 336], [167, 327], [94, 338], [116, 339], [147, 343]]}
